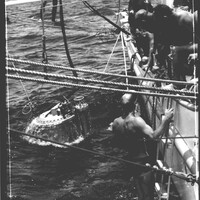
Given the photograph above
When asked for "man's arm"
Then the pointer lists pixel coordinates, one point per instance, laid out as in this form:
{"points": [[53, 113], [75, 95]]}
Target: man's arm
{"points": [[152, 49], [117, 126], [192, 58], [147, 130]]}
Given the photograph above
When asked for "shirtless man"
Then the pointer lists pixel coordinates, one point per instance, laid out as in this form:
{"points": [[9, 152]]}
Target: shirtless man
{"points": [[171, 28], [133, 7], [131, 130]]}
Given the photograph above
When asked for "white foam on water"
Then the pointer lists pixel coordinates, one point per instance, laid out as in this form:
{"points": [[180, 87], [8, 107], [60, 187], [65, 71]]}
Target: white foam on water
{"points": [[41, 142], [35, 129]]}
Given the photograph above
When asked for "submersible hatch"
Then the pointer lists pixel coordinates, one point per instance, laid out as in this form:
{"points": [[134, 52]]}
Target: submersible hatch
{"points": [[82, 115], [66, 122]]}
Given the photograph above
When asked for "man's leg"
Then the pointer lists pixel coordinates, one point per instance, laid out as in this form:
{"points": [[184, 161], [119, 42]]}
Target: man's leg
{"points": [[145, 186]]}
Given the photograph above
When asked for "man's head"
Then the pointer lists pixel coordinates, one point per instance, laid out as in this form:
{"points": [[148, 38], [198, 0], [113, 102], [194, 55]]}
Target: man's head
{"points": [[162, 14], [140, 16], [127, 102], [143, 19]]}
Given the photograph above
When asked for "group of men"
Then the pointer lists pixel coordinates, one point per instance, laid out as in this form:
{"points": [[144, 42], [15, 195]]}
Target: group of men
{"points": [[160, 30], [155, 30]]}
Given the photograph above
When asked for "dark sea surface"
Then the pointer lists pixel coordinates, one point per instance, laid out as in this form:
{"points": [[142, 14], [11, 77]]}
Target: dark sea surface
{"points": [[38, 172]]}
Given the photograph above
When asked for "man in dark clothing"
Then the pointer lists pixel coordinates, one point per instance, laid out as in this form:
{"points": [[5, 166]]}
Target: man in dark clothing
{"points": [[131, 130]]}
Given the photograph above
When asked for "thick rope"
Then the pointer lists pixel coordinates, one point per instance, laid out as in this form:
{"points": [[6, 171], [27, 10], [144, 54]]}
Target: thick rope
{"points": [[98, 81], [62, 23], [96, 72], [100, 87], [187, 177], [99, 14]]}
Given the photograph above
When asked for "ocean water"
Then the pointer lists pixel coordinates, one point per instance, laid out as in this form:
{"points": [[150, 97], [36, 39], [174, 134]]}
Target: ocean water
{"points": [[48, 172]]}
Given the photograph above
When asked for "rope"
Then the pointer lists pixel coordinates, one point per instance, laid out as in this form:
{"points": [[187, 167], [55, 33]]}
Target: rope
{"points": [[98, 81], [99, 14], [99, 87], [187, 177], [124, 54], [29, 104], [112, 52], [44, 53], [96, 72], [119, 8], [77, 148], [65, 38]]}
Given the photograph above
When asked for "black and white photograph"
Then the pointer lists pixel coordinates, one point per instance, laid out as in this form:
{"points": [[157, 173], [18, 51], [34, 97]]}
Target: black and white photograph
{"points": [[101, 100]]}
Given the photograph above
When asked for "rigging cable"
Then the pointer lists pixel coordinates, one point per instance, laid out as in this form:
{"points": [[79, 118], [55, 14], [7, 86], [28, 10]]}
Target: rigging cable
{"points": [[119, 8], [65, 38], [125, 68], [99, 14], [44, 53], [187, 177], [99, 81], [99, 87], [101, 73], [112, 53], [29, 104]]}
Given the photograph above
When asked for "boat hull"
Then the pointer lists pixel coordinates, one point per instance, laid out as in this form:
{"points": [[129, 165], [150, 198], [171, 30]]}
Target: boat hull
{"points": [[180, 150]]}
